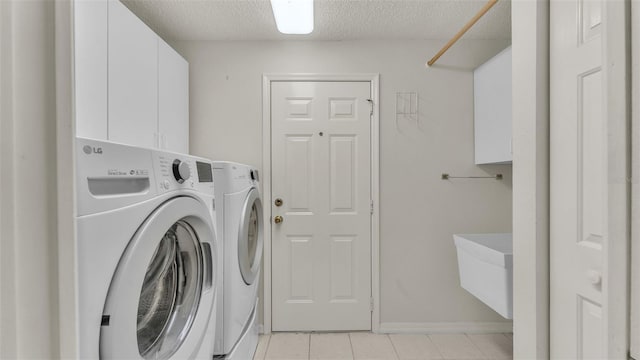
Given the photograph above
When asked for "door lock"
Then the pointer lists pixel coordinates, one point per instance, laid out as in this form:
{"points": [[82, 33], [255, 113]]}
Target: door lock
{"points": [[278, 202], [278, 219]]}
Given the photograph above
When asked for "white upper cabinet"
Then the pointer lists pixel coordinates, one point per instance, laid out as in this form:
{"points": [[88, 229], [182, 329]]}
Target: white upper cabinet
{"points": [[133, 79], [173, 99], [91, 69], [492, 110], [130, 86]]}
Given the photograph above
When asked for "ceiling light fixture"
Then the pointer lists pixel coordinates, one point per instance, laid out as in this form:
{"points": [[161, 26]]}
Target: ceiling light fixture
{"points": [[293, 16]]}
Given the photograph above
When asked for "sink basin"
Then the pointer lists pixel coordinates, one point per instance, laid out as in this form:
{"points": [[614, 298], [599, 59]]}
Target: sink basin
{"points": [[485, 262]]}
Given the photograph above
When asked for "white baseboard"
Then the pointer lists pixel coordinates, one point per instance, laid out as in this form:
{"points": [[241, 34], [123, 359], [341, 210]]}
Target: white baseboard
{"points": [[446, 327]]}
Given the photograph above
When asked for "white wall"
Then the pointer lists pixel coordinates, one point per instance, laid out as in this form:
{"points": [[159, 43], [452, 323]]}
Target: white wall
{"points": [[419, 211], [28, 260]]}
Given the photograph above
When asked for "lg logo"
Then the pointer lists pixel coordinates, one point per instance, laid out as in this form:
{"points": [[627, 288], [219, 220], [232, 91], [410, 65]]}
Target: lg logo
{"points": [[88, 150]]}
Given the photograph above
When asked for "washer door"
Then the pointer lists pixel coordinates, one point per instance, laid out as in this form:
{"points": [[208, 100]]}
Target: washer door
{"points": [[154, 300], [250, 237]]}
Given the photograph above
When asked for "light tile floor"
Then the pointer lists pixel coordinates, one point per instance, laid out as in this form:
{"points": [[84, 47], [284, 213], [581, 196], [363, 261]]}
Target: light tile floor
{"points": [[368, 346]]}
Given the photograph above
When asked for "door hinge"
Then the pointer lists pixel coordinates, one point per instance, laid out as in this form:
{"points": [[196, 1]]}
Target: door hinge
{"points": [[371, 304], [371, 207], [371, 103]]}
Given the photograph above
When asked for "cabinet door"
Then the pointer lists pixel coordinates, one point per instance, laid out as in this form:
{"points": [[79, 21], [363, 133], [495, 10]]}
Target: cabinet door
{"points": [[90, 32], [133, 79], [173, 99], [492, 109]]}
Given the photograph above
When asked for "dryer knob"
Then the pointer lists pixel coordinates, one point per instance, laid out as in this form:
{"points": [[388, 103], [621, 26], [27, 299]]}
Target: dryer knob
{"points": [[181, 171]]}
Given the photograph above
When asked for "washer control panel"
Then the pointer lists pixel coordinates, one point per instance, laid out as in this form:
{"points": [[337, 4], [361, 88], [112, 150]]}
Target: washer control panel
{"points": [[111, 175], [177, 171], [181, 170]]}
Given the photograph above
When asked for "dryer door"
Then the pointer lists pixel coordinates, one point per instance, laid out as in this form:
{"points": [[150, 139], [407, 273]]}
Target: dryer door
{"points": [[250, 237], [161, 294]]}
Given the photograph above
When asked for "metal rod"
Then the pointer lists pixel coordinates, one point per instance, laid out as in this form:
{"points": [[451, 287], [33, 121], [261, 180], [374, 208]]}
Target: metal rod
{"points": [[464, 29], [447, 177]]}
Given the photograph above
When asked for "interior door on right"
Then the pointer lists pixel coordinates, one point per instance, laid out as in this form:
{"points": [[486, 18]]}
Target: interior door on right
{"points": [[588, 180], [578, 178]]}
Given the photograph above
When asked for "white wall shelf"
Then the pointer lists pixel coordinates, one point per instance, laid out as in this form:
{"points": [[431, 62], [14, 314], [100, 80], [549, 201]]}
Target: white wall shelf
{"points": [[492, 110]]}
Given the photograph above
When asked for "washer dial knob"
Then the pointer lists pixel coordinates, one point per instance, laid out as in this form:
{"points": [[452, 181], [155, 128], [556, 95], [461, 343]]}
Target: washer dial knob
{"points": [[181, 171]]}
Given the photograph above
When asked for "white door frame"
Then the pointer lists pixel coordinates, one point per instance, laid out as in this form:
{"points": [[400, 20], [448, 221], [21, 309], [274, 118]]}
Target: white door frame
{"points": [[66, 175], [530, 44], [374, 79], [635, 189], [617, 91]]}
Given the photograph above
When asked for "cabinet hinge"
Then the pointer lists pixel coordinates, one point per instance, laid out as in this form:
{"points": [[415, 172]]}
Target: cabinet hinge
{"points": [[370, 103], [371, 304], [371, 207]]}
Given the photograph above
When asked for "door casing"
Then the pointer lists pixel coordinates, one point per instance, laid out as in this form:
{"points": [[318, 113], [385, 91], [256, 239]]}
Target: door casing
{"points": [[635, 189], [617, 74], [374, 80]]}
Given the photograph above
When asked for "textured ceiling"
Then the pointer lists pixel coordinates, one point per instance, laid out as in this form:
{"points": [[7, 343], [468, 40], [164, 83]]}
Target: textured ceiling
{"points": [[334, 19]]}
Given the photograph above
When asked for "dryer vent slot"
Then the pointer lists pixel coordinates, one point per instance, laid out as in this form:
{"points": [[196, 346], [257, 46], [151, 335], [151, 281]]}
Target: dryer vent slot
{"points": [[112, 185]]}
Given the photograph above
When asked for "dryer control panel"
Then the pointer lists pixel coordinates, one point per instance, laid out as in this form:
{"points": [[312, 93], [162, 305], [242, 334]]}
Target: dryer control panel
{"points": [[244, 173], [233, 177]]}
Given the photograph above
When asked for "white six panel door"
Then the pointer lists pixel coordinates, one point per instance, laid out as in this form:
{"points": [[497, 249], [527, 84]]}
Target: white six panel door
{"points": [[321, 170], [578, 201]]}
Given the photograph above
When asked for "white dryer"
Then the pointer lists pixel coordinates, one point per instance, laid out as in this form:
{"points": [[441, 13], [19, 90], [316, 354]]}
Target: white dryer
{"points": [[240, 230], [146, 253]]}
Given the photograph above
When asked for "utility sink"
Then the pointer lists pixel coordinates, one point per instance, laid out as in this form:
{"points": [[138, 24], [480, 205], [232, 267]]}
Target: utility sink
{"points": [[485, 262]]}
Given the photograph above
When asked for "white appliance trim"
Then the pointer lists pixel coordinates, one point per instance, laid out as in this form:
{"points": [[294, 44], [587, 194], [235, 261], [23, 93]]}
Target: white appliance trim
{"points": [[374, 79]]}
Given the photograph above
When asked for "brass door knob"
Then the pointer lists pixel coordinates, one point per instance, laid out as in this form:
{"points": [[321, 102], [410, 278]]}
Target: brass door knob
{"points": [[278, 219]]}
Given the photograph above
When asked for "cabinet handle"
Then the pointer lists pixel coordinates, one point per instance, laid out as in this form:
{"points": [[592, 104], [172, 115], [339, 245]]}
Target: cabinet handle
{"points": [[164, 140]]}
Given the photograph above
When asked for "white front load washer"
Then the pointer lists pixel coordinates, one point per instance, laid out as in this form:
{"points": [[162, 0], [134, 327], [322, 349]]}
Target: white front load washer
{"points": [[240, 230], [146, 253]]}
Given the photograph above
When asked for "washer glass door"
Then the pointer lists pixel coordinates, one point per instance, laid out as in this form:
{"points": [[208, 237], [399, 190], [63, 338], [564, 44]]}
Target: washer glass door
{"points": [[170, 293], [161, 289], [250, 237]]}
